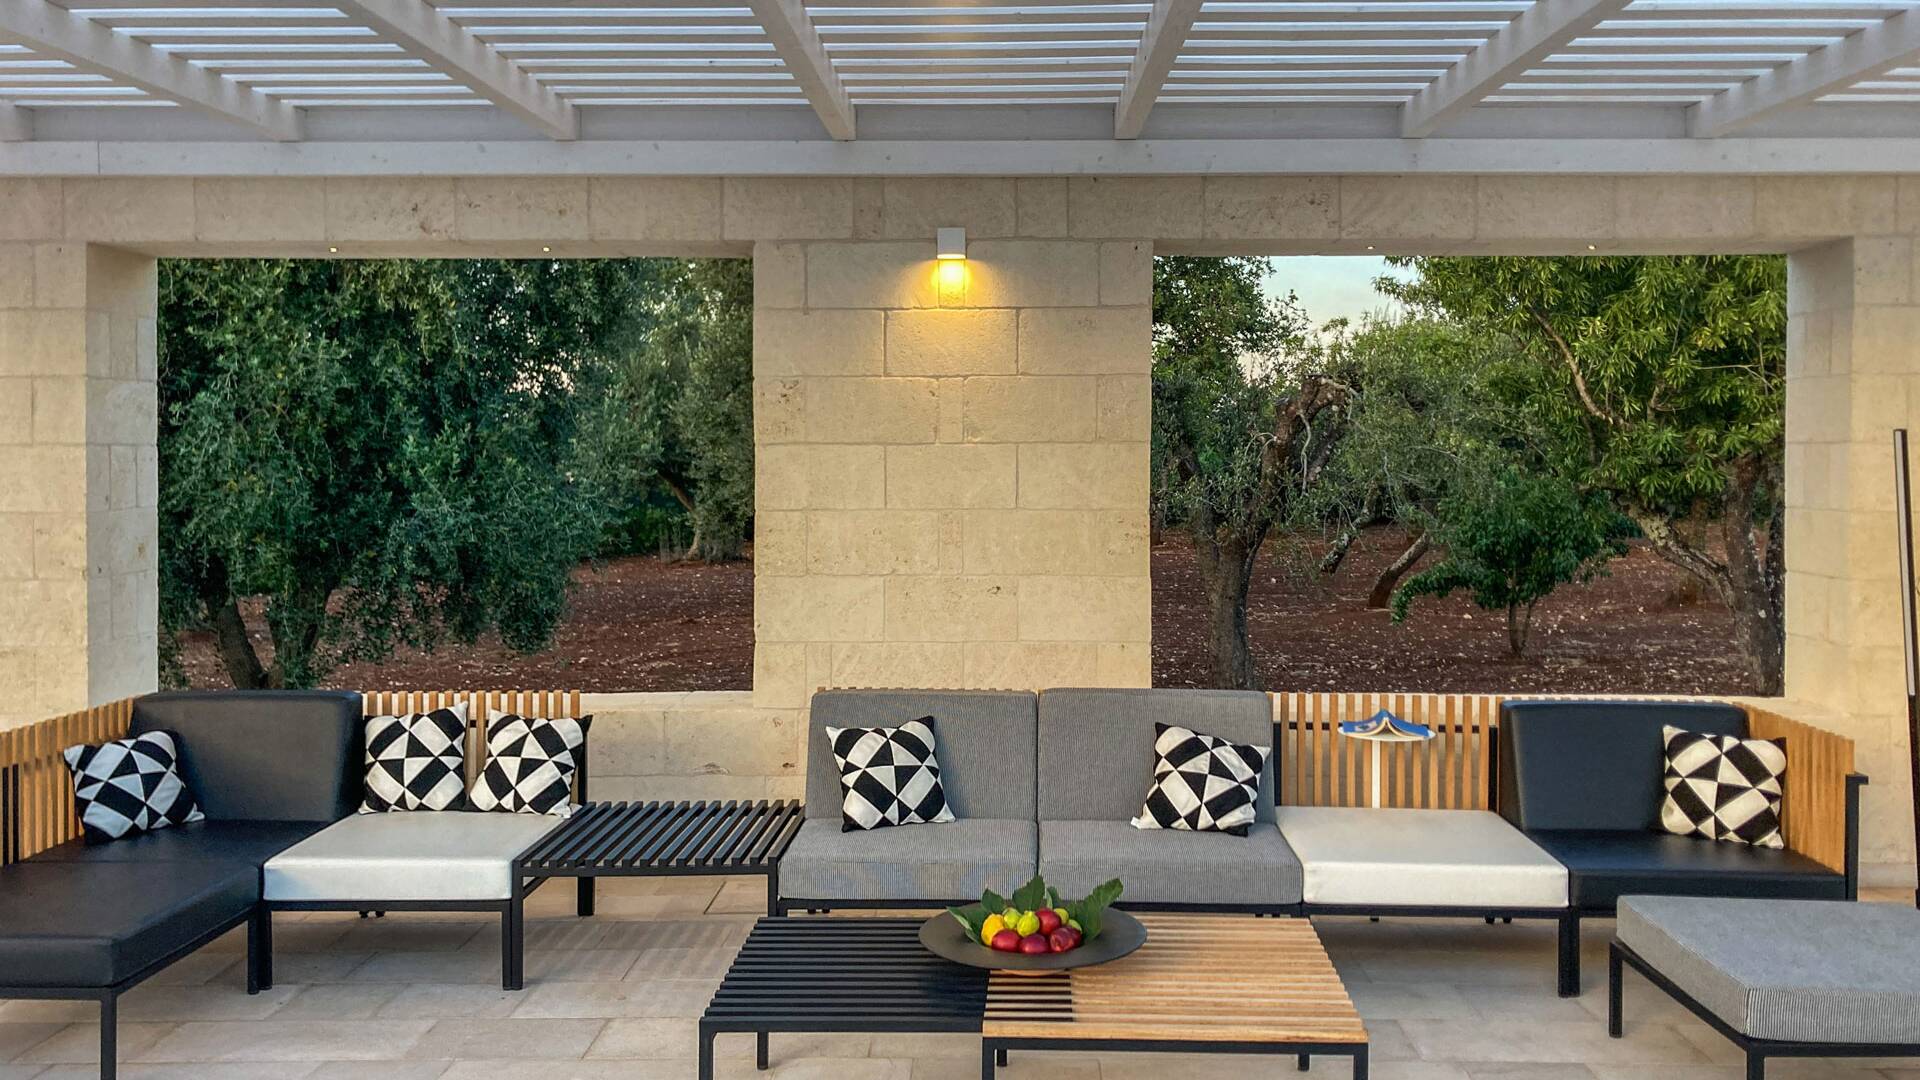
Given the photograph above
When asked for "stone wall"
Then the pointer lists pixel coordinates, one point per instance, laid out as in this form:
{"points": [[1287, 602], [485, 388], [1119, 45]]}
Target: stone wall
{"points": [[78, 476]]}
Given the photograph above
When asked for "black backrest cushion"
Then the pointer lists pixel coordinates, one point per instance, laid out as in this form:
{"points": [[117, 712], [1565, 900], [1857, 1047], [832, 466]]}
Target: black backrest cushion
{"points": [[1594, 764], [265, 755]]}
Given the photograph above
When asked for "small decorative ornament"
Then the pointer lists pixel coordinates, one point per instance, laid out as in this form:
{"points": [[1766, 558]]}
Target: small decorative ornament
{"points": [[1383, 727]]}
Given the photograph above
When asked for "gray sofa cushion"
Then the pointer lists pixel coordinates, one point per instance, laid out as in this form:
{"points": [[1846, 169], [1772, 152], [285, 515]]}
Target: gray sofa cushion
{"points": [[1096, 746], [983, 738], [264, 755], [1160, 866], [1802, 970], [946, 863]]}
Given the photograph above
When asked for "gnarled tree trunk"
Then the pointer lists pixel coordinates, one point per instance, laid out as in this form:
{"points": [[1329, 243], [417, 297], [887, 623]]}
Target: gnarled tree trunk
{"points": [[1382, 592]]}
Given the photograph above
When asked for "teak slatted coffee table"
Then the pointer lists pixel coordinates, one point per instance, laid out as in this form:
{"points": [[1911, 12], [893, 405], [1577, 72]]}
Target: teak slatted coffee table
{"points": [[1201, 984]]}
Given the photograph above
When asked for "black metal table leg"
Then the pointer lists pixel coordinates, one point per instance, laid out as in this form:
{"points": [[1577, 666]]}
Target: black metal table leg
{"points": [[109, 1036], [1000, 1056], [1614, 990], [583, 896], [1303, 1062], [760, 1055], [988, 1055], [260, 950], [1360, 1062], [706, 1052], [1570, 955], [1756, 1065]]}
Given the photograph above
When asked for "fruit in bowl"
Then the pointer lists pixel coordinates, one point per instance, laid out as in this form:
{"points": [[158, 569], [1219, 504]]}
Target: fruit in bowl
{"points": [[1035, 920]]}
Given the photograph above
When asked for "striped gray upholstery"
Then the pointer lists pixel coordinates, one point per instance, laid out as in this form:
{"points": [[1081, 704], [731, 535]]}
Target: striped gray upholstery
{"points": [[1795, 970]]}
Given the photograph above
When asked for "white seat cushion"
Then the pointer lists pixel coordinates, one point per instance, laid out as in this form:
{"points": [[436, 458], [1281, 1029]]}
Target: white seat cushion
{"points": [[417, 855], [1419, 858]]}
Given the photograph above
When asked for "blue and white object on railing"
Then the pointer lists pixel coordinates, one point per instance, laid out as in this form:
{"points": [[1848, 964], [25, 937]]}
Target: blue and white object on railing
{"points": [[1384, 727]]}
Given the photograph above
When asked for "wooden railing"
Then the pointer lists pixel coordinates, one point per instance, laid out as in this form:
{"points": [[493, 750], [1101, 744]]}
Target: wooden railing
{"points": [[1452, 771], [1814, 816], [36, 792]]}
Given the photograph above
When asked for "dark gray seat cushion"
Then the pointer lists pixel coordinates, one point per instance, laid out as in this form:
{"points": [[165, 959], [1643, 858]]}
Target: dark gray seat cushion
{"points": [[983, 738], [945, 863], [1604, 866], [251, 842], [1096, 746], [265, 755], [1796, 970], [94, 924], [1164, 866]]}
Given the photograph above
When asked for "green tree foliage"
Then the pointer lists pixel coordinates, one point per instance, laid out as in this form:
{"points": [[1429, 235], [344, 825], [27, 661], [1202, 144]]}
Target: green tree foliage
{"points": [[681, 415], [1659, 382], [1244, 422], [386, 452], [1513, 541]]}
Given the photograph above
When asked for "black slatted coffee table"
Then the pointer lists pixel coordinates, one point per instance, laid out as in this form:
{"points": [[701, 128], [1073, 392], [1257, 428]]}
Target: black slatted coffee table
{"points": [[829, 973], [1216, 984], [664, 839]]}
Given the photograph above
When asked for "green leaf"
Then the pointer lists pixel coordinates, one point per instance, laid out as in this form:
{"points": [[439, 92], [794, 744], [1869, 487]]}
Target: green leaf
{"points": [[972, 917], [1030, 896], [1094, 907], [992, 901]]}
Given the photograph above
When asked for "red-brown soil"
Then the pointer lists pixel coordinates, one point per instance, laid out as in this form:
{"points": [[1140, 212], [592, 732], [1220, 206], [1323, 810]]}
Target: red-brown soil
{"points": [[1637, 630], [642, 624]]}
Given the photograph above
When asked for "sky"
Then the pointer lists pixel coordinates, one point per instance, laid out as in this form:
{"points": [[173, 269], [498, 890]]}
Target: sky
{"points": [[1332, 286]]}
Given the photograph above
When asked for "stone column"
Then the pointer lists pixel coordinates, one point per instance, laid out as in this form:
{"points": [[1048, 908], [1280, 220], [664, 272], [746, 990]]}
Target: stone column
{"points": [[1853, 375], [952, 464], [79, 482]]}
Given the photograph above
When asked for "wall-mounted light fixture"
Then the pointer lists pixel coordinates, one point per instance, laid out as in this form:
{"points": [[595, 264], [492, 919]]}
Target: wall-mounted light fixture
{"points": [[950, 245]]}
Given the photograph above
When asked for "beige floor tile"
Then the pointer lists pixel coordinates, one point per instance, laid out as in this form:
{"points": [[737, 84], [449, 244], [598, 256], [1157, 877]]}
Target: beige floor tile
{"points": [[380, 1070], [1529, 1071], [647, 1037], [18, 1036], [537, 1069], [79, 1044], [457, 1039], [248, 1070], [451, 1001], [1548, 1041], [23, 1072], [740, 896], [337, 1001], [1398, 1001], [407, 932], [215, 1002], [643, 998], [289, 1040], [820, 1068]]}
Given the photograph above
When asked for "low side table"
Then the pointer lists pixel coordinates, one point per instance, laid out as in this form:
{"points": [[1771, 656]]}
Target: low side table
{"points": [[663, 839]]}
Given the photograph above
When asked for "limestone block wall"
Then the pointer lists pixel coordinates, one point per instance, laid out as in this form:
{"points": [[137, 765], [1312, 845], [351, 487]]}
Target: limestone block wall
{"points": [[78, 477], [952, 461], [705, 745]]}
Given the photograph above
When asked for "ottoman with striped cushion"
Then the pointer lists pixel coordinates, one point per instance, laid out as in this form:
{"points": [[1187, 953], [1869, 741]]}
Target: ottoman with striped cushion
{"points": [[1781, 978]]}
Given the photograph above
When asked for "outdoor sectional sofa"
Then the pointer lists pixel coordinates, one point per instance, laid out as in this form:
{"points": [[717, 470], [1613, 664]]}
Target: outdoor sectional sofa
{"points": [[280, 778], [1047, 783]]}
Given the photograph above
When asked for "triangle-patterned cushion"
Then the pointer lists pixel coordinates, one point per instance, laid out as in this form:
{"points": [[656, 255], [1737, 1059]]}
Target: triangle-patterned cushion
{"points": [[129, 786], [889, 776], [417, 762], [1201, 783], [1723, 788], [531, 764]]}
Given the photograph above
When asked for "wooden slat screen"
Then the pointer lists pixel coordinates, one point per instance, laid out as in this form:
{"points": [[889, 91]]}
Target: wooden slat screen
{"points": [[1813, 809], [546, 704], [1320, 767], [36, 793]]}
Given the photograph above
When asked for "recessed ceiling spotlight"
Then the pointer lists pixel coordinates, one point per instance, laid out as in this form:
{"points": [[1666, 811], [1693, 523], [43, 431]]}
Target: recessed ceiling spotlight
{"points": [[1591, 247], [1369, 247], [333, 250], [545, 248]]}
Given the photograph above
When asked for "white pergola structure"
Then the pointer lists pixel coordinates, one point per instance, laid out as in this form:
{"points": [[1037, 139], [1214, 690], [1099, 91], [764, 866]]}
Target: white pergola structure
{"points": [[952, 466], [1270, 72]]}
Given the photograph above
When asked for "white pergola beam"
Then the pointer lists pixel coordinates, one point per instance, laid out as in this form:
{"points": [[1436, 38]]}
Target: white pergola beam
{"points": [[1860, 55], [87, 45], [16, 125], [1533, 35], [447, 47], [798, 43], [1160, 46]]}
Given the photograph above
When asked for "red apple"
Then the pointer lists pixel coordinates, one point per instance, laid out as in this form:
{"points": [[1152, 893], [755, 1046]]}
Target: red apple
{"points": [[1005, 941], [1049, 922], [1033, 944], [1062, 939]]}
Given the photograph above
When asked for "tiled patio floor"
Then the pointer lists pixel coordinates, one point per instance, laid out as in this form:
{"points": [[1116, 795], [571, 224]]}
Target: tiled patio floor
{"points": [[414, 997]]}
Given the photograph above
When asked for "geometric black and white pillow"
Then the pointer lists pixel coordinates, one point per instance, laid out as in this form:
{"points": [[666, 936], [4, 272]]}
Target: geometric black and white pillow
{"points": [[129, 786], [531, 764], [1723, 788], [889, 776], [417, 762], [1200, 783]]}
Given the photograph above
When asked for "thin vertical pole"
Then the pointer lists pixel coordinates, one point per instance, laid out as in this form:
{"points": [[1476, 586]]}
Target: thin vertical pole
{"points": [[1903, 505]]}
